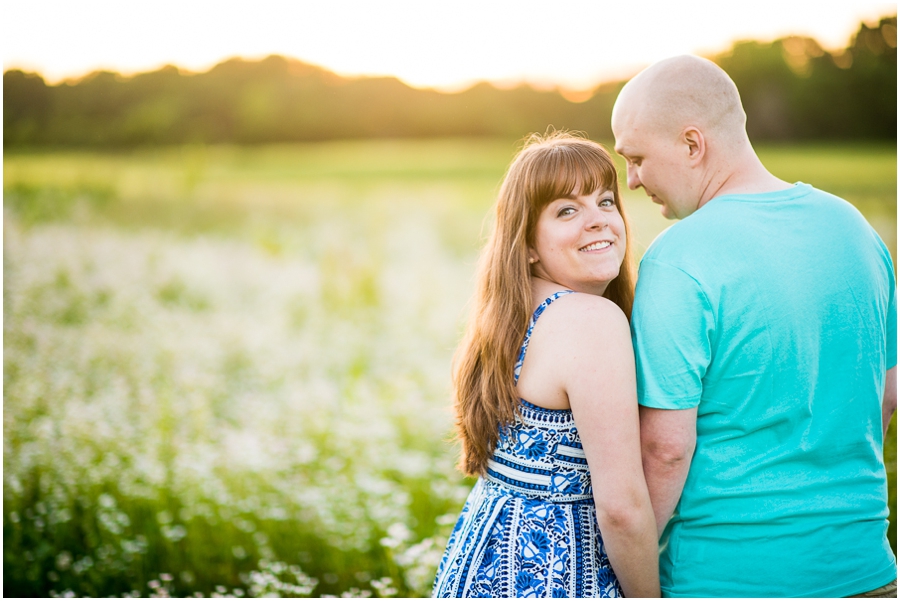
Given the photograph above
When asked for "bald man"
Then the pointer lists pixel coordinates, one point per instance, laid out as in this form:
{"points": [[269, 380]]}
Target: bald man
{"points": [[765, 338]]}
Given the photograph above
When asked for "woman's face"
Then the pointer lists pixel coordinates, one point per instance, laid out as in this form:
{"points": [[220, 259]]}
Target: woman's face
{"points": [[579, 241]]}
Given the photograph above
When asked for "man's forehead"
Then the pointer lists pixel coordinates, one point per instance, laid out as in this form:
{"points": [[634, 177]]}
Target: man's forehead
{"points": [[625, 124], [626, 139]]}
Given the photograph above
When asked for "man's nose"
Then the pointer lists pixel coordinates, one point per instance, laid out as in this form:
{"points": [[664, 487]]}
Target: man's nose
{"points": [[634, 182]]}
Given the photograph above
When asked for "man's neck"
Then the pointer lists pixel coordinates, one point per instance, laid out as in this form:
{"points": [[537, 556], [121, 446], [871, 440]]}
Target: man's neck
{"points": [[743, 175]]}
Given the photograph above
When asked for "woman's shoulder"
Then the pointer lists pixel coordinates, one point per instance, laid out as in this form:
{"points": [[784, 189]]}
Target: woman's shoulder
{"points": [[587, 306], [585, 315]]}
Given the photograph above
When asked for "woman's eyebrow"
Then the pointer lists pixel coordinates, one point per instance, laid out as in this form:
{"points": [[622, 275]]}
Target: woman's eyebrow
{"points": [[571, 196]]}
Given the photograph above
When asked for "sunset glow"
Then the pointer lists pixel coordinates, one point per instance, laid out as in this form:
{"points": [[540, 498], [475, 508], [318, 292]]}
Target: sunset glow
{"points": [[574, 44]]}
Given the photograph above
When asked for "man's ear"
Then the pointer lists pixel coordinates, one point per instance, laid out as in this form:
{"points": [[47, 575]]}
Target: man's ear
{"points": [[694, 142]]}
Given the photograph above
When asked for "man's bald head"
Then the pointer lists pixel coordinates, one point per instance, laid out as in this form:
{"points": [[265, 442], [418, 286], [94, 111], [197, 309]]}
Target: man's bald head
{"points": [[680, 92]]}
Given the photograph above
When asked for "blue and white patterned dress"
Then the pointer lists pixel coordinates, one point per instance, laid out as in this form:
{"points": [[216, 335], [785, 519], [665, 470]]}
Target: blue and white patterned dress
{"points": [[529, 526]]}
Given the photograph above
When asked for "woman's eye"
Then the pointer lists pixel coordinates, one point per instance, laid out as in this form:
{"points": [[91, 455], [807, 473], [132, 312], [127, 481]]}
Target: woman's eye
{"points": [[565, 211], [607, 202]]}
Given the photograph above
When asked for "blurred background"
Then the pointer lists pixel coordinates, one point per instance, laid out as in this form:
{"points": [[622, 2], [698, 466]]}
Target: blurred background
{"points": [[239, 245]]}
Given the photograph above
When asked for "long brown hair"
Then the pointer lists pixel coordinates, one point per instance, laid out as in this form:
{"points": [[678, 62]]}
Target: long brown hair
{"points": [[548, 167]]}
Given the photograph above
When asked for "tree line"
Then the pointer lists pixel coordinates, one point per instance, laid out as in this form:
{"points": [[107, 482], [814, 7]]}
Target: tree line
{"points": [[792, 89]]}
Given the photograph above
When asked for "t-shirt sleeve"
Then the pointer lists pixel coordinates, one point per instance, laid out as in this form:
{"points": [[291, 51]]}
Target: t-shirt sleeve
{"points": [[672, 330], [891, 324], [892, 327]]}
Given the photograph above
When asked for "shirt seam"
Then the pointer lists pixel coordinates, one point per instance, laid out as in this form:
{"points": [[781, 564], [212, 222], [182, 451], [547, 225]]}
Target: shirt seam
{"points": [[800, 190]]}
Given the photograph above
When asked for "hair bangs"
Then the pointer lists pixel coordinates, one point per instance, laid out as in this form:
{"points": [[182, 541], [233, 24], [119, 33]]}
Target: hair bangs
{"points": [[571, 166]]}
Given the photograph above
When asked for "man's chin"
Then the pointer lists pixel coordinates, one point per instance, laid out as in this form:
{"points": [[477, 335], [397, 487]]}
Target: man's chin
{"points": [[667, 210], [668, 214]]}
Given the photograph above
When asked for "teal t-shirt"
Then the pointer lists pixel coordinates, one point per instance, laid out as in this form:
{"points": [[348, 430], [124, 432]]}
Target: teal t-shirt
{"points": [[775, 315]]}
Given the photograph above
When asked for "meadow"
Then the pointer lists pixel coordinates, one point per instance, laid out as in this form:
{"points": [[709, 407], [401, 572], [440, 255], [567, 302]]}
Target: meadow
{"points": [[226, 369]]}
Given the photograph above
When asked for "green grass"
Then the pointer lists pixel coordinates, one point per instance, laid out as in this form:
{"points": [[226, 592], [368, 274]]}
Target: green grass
{"points": [[229, 367], [201, 189]]}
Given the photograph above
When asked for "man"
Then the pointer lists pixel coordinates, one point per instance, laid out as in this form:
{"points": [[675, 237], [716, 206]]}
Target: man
{"points": [[765, 337]]}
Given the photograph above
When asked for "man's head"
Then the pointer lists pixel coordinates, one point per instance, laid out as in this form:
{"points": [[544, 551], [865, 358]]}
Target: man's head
{"points": [[674, 122]]}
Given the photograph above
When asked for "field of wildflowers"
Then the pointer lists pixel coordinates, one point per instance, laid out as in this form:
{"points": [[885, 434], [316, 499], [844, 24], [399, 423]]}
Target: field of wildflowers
{"points": [[226, 370]]}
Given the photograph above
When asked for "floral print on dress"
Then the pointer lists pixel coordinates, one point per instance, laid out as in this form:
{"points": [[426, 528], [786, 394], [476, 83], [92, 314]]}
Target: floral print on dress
{"points": [[530, 444]]}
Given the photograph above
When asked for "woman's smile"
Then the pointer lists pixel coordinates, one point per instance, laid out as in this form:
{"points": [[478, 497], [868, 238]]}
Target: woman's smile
{"points": [[597, 246], [580, 241]]}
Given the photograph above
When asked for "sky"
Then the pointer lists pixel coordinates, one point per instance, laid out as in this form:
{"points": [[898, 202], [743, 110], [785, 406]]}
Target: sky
{"points": [[571, 44]]}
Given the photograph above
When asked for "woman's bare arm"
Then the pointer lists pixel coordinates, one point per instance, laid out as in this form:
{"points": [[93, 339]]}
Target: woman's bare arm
{"points": [[596, 364]]}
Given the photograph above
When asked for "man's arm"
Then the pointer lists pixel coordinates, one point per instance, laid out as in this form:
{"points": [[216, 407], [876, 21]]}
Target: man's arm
{"points": [[668, 438], [889, 403]]}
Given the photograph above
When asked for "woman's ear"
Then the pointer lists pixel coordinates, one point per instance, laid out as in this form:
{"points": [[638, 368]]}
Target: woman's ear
{"points": [[532, 256]]}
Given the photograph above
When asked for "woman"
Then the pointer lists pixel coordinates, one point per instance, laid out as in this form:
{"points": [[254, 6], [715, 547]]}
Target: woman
{"points": [[552, 434]]}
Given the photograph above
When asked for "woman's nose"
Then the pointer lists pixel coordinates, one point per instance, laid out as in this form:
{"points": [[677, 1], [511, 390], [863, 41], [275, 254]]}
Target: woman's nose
{"points": [[598, 219]]}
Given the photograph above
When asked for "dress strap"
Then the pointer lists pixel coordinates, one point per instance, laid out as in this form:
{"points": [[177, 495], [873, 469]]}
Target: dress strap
{"points": [[534, 317]]}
